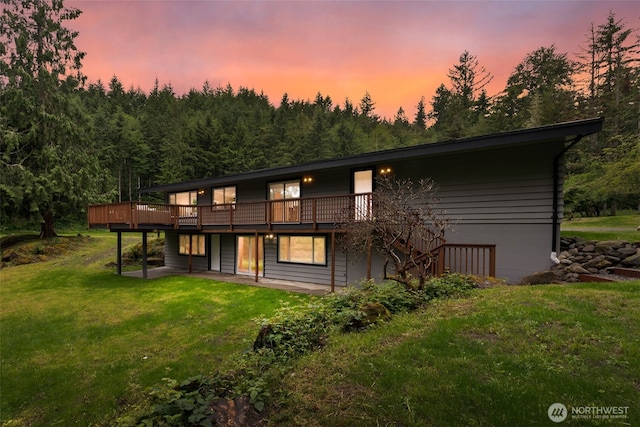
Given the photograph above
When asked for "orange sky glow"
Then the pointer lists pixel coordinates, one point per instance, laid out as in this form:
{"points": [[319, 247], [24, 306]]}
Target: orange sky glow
{"points": [[398, 51]]}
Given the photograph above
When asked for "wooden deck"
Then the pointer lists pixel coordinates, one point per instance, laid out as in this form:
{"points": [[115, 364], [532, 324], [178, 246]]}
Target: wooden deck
{"points": [[306, 211], [304, 214]]}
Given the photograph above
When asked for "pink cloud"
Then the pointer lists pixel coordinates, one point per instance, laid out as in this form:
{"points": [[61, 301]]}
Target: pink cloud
{"points": [[398, 51]]}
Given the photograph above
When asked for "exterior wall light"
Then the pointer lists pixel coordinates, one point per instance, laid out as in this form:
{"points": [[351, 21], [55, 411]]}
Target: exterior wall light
{"points": [[385, 171], [200, 192], [307, 179]]}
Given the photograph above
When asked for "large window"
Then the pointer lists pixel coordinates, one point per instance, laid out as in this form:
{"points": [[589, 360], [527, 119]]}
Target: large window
{"points": [[284, 196], [224, 196], [284, 190], [302, 249], [192, 242], [185, 198]]}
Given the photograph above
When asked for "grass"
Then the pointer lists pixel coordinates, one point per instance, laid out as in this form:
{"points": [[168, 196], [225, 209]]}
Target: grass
{"points": [[501, 357], [79, 343], [623, 227]]}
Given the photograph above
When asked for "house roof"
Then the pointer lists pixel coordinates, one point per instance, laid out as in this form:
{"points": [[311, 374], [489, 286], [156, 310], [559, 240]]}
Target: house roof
{"points": [[560, 132]]}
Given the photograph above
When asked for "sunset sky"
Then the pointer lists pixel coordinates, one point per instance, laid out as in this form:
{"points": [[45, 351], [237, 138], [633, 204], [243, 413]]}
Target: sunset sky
{"points": [[397, 51]]}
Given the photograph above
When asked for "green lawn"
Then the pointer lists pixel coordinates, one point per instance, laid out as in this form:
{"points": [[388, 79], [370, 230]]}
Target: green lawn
{"points": [[623, 227], [498, 358], [79, 343]]}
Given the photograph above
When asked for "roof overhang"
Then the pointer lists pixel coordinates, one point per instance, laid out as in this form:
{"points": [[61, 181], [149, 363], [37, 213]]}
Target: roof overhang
{"points": [[561, 132]]}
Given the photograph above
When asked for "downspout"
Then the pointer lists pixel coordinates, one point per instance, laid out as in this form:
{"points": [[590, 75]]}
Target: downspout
{"points": [[556, 185]]}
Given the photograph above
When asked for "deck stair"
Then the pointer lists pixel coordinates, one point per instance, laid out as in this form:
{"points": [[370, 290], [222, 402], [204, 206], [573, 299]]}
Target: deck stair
{"points": [[422, 252], [438, 257]]}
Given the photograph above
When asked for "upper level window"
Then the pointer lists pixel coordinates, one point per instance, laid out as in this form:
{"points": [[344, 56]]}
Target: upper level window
{"points": [[284, 204], [224, 196], [284, 190], [185, 198]]}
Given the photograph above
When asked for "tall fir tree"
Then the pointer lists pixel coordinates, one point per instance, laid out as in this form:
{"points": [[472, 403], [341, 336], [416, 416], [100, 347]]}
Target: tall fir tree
{"points": [[49, 164]]}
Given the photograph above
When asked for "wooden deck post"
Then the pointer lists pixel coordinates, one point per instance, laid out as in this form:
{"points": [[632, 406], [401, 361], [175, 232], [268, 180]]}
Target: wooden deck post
{"points": [[369, 247], [257, 252], [492, 261], [190, 253], [144, 254], [333, 261], [119, 254]]}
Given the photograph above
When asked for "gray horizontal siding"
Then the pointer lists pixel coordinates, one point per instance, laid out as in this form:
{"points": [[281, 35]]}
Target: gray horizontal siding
{"points": [[319, 274], [228, 253], [171, 249], [173, 259], [507, 187]]}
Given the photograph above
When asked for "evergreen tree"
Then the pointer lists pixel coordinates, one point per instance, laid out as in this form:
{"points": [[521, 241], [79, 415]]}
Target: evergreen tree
{"points": [[540, 89], [457, 110], [49, 164], [604, 174], [420, 120], [617, 66]]}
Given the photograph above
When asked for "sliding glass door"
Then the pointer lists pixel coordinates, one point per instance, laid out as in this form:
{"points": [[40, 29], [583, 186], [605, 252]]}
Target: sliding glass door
{"points": [[246, 255]]}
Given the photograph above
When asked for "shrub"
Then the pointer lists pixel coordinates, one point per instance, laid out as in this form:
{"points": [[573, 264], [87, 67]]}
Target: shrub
{"points": [[449, 285], [294, 331], [358, 307], [291, 332]]}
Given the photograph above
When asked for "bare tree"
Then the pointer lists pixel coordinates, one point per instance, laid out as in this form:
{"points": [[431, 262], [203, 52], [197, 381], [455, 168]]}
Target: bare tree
{"points": [[400, 220]]}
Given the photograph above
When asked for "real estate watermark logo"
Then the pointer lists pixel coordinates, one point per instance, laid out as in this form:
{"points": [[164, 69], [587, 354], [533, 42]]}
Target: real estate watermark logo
{"points": [[557, 412]]}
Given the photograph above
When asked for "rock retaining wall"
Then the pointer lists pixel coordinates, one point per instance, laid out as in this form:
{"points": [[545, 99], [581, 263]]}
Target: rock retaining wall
{"points": [[579, 256]]}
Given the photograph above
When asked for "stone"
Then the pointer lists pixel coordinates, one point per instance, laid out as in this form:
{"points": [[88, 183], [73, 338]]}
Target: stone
{"points": [[577, 269], [615, 244], [593, 261], [540, 278], [584, 257], [626, 251], [237, 412], [632, 261], [604, 264]]}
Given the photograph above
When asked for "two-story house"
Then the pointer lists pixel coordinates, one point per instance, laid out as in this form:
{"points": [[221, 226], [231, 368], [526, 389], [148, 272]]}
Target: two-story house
{"points": [[503, 192]]}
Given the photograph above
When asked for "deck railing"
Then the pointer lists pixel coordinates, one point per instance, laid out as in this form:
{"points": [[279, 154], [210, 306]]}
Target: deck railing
{"points": [[316, 210], [465, 258], [446, 257]]}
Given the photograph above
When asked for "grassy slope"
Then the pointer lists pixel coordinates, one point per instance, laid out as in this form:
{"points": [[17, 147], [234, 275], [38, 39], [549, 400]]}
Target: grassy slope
{"points": [[499, 357], [79, 342]]}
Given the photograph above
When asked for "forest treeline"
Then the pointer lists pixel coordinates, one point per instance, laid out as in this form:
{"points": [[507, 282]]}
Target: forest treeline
{"points": [[66, 144]]}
